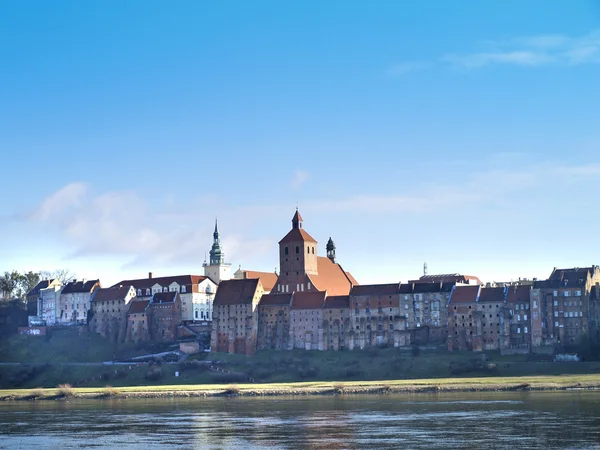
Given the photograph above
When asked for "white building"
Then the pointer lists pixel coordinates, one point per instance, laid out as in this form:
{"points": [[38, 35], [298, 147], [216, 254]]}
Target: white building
{"points": [[197, 293], [49, 298], [75, 300]]}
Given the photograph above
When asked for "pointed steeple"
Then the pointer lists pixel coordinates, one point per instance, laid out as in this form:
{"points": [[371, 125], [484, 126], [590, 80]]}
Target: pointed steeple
{"points": [[297, 220], [216, 254]]}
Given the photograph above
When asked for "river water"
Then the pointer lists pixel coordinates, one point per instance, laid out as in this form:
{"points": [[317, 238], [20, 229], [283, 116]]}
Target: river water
{"points": [[532, 420]]}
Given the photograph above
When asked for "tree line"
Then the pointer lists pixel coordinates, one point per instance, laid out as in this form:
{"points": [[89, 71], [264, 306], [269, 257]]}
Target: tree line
{"points": [[16, 285]]}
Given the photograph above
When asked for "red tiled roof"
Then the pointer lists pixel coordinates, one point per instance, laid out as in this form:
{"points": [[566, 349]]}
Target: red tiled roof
{"points": [[308, 300], [297, 235], [337, 302], [275, 299], [376, 289], [267, 279], [111, 293], [331, 278], [491, 294], [464, 294], [518, 294], [164, 297], [182, 280], [138, 306], [236, 292], [352, 279]]}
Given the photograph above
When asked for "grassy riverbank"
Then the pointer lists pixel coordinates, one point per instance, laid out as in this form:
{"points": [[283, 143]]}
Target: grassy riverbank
{"points": [[532, 383]]}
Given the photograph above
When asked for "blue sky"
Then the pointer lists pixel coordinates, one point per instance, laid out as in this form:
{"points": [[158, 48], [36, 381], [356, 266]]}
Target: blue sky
{"points": [[464, 134]]}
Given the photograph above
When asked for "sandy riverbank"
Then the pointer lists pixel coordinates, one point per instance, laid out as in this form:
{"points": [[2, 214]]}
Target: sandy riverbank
{"points": [[537, 383]]}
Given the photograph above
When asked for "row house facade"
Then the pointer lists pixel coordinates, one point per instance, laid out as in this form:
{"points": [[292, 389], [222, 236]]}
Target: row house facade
{"points": [[75, 301], [196, 292]]}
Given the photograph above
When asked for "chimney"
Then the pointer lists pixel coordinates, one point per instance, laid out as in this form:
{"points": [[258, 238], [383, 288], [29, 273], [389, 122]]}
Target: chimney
{"points": [[150, 275]]}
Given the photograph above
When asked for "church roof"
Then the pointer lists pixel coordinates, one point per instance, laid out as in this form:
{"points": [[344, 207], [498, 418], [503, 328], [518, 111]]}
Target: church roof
{"points": [[331, 278], [268, 279], [297, 235]]}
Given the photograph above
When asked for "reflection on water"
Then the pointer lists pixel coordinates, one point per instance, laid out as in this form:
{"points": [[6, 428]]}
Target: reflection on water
{"points": [[466, 420]]}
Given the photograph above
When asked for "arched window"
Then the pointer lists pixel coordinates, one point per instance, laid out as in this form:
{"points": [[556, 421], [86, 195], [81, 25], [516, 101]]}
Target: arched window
{"points": [[285, 251], [297, 249], [313, 250]]}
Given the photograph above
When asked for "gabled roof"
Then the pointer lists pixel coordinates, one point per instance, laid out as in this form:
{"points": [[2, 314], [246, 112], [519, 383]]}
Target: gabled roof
{"points": [[164, 297], [518, 294], [137, 307], [79, 286], [236, 292], [267, 279], [337, 302], [111, 293], [464, 294], [275, 300], [406, 288], [331, 277], [182, 280], [297, 235], [492, 294], [308, 300], [565, 278], [38, 287], [375, 289], [351, 278]]}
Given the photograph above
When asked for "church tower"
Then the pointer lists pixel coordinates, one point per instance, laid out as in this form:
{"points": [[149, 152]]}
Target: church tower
{"points": [[331, 250], [297, 252], [217, 270]]}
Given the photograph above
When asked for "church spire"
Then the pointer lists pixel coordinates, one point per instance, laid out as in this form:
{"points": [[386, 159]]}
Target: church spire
{"points": [[216, 254], [331, 250], [297, 220]]}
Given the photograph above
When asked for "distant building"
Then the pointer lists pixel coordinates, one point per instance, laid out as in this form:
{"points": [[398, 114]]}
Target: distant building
{"points": [[235, 316], [197, 293], [449, 277], [49, 299], [34, 297], [75, 301], [164, 313], [138, 328], [267, 279], [110, 307]]}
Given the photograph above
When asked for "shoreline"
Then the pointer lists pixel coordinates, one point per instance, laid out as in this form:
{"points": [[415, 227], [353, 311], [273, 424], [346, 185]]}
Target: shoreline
{"points": [[497, 384]]}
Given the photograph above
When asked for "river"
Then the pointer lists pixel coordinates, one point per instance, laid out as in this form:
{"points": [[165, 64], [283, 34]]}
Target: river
{"points": [[532, 420]]}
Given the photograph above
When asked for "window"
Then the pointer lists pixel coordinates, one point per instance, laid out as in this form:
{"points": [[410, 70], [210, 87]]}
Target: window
{"points": [[139, 292], [182, 288], [525, 330], [313, 250], [524, 316], [567, 293], [555, 302], [308, 250], [285, 251], [555, 324], [297, 249], [555, 313], [535, 303]]}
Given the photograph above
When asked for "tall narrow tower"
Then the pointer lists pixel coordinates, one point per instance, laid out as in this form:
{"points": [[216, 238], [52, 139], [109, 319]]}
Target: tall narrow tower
{"points": [[331, 250], [218, 270]]}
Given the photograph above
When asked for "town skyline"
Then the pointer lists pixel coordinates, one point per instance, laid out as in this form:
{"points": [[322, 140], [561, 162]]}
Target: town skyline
{"points": [[462, 136]]}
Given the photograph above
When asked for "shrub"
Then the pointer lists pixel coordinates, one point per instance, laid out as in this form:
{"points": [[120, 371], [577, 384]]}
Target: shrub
{"points": [[154, 374], [339, 388], [110, 391], [36, 393], [231, 390], [65, 390]]}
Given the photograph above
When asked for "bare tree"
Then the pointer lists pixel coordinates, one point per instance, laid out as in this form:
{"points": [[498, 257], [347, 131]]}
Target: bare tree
{"points": [[62, 275]]}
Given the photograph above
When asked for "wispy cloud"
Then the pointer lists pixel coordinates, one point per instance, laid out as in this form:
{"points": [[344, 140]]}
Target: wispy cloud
{"points": [[299, 177], [532, 51], [406, 67]]}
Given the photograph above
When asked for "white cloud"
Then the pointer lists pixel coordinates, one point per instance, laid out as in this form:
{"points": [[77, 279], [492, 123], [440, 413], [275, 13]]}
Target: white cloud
{"points": [[69, 196], [300, 176], [533, 51]]}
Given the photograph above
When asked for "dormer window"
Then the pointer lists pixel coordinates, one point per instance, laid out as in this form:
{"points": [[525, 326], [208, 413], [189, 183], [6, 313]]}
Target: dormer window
{"points": [[165, 289], [182, 288], [139, 292], [147, 291]]}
